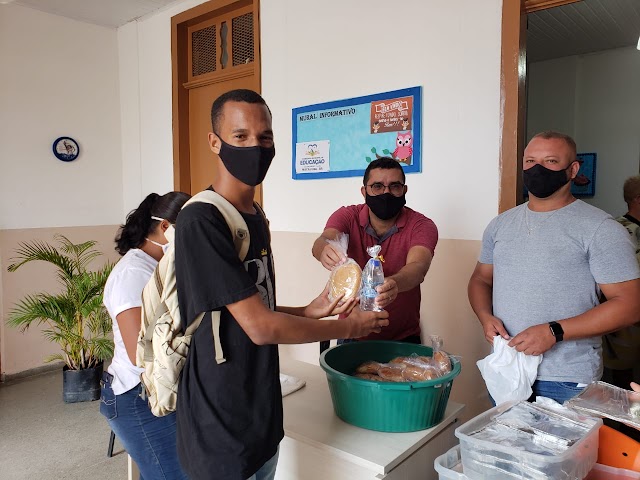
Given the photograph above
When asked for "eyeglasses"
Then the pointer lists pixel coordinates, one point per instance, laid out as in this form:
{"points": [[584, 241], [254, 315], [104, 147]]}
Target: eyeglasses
{"points": [[378, 188]]}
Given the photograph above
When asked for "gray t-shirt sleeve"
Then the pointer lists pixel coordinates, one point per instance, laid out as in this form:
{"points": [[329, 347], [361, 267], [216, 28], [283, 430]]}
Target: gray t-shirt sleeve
{"points": [[488, 242], [612, 254]]}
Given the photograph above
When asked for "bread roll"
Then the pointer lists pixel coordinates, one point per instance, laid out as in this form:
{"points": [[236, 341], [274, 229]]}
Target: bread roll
{"points": [[391, 374], [442, 362], [368, 376], [399, 360], [415, 373], [345, 279], [369, 367]]}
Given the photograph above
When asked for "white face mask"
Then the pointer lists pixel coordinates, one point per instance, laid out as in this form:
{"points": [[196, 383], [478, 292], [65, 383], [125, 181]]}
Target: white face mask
{"points": [[165, 246]]}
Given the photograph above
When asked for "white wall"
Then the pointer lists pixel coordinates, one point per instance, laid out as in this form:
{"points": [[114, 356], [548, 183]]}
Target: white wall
{"points": [[59, 78], [460, 105], [144, 53], [596, 99]]}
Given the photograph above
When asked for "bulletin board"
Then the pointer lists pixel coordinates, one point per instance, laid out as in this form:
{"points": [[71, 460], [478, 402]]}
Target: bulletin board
{"points": [[340, 138]]}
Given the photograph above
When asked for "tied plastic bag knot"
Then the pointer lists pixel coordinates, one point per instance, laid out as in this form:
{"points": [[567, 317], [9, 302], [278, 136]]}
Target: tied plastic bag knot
{"points": [[508, 374]]}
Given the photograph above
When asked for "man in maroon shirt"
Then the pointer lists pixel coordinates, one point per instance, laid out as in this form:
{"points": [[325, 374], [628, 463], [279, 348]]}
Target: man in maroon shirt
{"points": [[408, 241]]}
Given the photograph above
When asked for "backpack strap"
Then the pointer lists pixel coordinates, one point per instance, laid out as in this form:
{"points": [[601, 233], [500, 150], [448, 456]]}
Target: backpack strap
{"points": [[241, 241], [236, 223]]}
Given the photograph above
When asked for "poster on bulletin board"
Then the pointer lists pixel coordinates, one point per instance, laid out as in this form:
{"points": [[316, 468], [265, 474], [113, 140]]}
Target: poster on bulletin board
{"points": [[340, 138]]}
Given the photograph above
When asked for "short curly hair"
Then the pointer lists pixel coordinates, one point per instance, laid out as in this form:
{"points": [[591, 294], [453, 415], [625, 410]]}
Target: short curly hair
{"points": [[238, 95]]}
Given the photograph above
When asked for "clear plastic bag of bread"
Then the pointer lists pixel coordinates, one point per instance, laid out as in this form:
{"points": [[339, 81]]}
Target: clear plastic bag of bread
{"points": [[392, 372], [345, 278], [380, 372], [441, 360], [416, 368]]}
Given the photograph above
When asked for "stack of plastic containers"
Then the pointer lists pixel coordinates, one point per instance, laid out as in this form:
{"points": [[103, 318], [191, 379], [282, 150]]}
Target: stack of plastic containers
{"points": [[524, 441]]}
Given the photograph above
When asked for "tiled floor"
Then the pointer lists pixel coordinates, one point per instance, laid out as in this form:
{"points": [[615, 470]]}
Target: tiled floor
{"points": [[43, 438]]}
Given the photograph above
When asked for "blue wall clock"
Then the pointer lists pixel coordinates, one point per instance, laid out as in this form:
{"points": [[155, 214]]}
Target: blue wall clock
{"points": [[66, 149]]}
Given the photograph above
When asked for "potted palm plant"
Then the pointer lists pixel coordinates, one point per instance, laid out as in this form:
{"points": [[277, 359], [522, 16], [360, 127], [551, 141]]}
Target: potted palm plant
{"points": [[74, 318]]}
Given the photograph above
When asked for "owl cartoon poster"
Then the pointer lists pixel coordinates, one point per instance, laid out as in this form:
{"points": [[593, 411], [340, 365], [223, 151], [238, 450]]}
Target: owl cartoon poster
{"points": [[358, 131]]}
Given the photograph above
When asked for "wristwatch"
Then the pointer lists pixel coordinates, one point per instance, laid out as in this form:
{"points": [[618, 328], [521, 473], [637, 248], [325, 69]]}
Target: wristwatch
{"points": [[556, 331]]}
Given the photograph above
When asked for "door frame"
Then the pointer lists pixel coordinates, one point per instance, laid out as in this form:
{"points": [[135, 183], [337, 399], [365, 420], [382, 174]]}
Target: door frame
{"points": [[180, 24], [513, 76]]}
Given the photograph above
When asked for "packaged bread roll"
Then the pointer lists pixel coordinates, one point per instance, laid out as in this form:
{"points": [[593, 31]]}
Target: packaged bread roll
{"points": [[345, 278], [369, 367], [441, 360]]}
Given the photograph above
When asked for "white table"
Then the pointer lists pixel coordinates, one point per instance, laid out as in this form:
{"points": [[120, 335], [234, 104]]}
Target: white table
{"points": [[318, 445]]}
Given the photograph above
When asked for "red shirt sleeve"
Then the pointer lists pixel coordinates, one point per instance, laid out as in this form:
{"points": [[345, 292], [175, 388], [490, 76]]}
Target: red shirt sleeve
{"points": [[424, 233], [343, 219]]}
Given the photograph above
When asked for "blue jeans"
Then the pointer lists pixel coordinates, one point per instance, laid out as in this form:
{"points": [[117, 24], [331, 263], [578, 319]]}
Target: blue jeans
{"points": [[150, 440], [558, 391], [268, 470]]}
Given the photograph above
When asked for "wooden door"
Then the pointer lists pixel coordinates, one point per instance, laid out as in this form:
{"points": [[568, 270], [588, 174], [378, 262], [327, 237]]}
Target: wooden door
{"points": [[217, 50]]}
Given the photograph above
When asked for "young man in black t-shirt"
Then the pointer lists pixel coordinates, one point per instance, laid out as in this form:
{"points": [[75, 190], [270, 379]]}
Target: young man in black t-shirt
{"points": [[230, 414]]}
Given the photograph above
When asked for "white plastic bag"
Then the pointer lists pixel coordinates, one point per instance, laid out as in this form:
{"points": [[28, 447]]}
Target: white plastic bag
{"points": [[508, 373]]}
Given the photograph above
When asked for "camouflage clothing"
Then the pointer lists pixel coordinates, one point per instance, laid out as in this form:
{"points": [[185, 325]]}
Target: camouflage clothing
{"points": [[633, 227], [621, 349]]}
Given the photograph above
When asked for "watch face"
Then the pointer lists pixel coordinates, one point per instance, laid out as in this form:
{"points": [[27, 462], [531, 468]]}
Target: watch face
{"points": [[66, 149]]}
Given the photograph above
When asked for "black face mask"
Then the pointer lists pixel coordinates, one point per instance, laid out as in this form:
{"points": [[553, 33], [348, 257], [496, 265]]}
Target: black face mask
{"points": [[543, 182], [247, 164], [386, 205]]}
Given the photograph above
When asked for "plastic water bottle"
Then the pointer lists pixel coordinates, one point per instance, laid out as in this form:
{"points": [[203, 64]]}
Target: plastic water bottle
{"points": [[372, 276]]}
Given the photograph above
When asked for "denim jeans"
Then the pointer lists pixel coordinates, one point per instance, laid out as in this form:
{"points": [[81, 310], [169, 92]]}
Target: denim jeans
{"points": [[150, 440], [268, 470], [558, 391]]}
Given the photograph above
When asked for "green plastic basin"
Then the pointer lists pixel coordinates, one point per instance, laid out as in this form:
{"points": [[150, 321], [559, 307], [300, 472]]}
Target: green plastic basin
{"points": [[384, 406]]}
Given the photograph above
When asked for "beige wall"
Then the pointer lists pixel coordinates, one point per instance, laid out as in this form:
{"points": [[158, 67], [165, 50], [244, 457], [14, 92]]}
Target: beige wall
{"points": [[25, 351], [445, 309]]}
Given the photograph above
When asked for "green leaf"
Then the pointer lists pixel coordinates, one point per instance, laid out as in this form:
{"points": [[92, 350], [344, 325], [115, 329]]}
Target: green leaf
{"points": [[54, 357], [386, 152], [75, 318], [368, 159], [37, 250], [373, 149]]}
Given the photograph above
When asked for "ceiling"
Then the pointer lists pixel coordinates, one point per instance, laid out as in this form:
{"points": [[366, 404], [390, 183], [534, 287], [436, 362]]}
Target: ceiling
{"points": [[108, 13], [582, 27]]}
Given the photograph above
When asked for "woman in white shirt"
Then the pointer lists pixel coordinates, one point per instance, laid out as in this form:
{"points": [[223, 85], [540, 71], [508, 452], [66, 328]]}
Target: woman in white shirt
{"points": [[150, 440]]}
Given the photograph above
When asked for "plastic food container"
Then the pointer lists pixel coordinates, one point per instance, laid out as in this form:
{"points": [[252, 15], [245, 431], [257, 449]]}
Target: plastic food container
{"points": [[485, 459], [449, 465], [384, 406], [604, 472]]}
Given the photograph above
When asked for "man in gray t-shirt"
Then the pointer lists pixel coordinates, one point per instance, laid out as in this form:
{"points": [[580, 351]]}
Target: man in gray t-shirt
{"points": [[541, 269]]}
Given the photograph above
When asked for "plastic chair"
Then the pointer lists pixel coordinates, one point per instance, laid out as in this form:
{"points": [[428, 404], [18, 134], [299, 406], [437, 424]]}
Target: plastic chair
{"points": [[618, 450]]}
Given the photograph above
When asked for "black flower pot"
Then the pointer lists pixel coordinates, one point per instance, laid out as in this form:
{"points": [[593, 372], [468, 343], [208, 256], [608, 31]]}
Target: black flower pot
{"points": [[81, 385]]}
